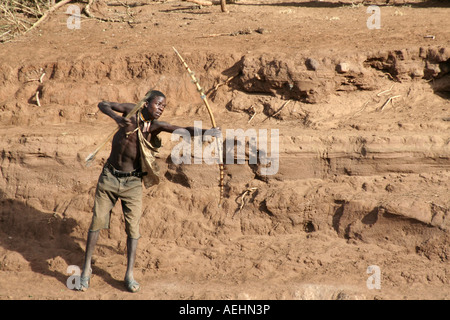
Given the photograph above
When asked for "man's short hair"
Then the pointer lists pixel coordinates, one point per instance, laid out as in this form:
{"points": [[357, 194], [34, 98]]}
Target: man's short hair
{"points": [[154, 94]]}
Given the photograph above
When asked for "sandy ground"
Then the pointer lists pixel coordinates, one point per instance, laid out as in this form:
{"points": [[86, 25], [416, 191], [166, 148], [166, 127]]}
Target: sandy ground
{"points": [[362, 174]]}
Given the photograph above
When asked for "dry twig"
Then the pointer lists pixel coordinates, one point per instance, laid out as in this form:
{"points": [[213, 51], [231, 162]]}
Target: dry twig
{"points": [[37, 91], [383, 92], [5, 33], [387, 101], [41, 77], [278, 111], [362, 109], [214, 90], [254, 114], [373, 98], [37, 98], [242, 198], [18, 16], [224, 83]]}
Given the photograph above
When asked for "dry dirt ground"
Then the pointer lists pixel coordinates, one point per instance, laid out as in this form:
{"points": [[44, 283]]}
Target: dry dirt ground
{"points": [[363, 166]]}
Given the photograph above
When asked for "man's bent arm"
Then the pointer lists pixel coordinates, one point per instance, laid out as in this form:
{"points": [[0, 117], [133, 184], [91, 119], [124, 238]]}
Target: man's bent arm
{"points": [[110, 109]]}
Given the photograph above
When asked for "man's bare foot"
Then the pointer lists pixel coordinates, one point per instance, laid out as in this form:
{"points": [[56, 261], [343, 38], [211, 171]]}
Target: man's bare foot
{"points": [[85, 280], [132, 285]]}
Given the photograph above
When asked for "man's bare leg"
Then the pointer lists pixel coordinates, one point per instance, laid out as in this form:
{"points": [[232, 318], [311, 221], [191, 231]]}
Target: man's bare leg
{"points": [[87, 270], [131, 284]]}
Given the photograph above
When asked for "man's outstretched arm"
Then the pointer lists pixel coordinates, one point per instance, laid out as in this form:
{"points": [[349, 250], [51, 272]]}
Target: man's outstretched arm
{"points": [[161, 126]]}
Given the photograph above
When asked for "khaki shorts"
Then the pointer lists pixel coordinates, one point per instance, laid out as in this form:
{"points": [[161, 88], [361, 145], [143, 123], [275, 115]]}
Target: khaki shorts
{"points": [[110, 189]]}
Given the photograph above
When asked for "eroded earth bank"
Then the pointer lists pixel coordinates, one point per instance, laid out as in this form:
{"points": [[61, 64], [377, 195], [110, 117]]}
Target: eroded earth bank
{"points": [[361, 179]]}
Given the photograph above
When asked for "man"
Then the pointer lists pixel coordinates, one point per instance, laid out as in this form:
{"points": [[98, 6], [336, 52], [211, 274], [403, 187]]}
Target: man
{"points": [[131, 160]]}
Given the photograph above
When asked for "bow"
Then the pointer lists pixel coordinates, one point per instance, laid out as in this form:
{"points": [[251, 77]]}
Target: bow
{"points": [[213, 122]]}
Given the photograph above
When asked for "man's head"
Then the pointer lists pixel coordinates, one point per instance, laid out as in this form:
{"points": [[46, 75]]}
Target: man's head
{"points": [[154, 106]]}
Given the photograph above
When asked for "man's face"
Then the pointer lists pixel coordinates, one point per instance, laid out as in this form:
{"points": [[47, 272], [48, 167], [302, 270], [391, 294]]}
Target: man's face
{"points": [[156, 107]]}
